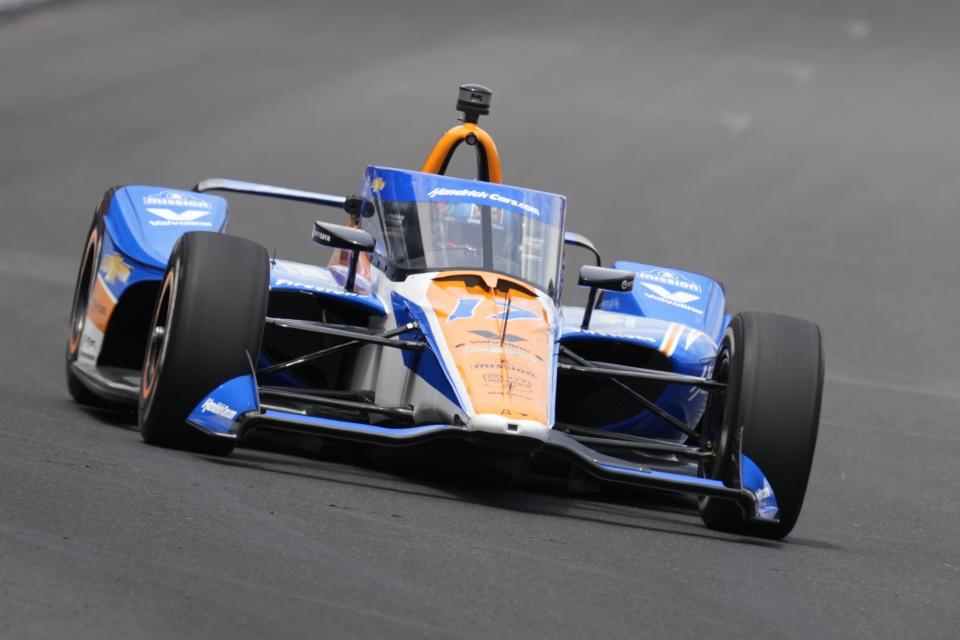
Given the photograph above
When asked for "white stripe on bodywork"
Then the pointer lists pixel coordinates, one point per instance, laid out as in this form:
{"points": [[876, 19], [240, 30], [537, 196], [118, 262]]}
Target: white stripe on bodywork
{"points": [[414, 289], [693, 335], [671, 338]]}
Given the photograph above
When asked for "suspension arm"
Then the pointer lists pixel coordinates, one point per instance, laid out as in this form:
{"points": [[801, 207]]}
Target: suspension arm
{"points": [[585, 366]]}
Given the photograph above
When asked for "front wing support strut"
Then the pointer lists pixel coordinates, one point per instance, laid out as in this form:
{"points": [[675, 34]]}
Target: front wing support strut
{"points": [[585, 366], [357, 340]]}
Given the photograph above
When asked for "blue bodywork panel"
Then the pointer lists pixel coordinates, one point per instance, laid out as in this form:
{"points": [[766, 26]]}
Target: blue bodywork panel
{"points": [[690, 351], [141, 226], [217, 413], [145, 222], [678, 313], [671, 295], [753, 479], [322, 282], [118, 272], [426, 363]]}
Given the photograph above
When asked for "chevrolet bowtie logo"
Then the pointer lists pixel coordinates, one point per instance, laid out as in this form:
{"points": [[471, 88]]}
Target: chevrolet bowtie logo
{"points": [[115, 269]]}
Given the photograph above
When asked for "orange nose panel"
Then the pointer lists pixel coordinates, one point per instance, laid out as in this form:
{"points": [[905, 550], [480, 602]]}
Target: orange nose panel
{"points": [[500, 340]]}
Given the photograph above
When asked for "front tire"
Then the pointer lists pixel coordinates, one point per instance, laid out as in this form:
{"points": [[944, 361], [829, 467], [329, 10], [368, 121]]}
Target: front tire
{"points": [[773, 368], [82, 293], [208, 317]]}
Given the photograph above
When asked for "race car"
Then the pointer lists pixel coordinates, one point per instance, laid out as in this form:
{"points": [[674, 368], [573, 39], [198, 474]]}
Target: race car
{"points": [[439, 317]]}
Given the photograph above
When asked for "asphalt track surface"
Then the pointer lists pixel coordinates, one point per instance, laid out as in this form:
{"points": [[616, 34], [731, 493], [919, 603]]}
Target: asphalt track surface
{"points": [[806, 154]]}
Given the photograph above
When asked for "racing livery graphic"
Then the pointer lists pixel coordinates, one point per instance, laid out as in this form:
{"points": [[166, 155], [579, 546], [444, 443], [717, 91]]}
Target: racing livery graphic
{"points": [[439, 318]]}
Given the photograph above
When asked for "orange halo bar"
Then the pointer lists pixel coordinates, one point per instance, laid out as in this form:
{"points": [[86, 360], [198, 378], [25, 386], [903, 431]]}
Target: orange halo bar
{"points": [[473, 101], [472, 134]]}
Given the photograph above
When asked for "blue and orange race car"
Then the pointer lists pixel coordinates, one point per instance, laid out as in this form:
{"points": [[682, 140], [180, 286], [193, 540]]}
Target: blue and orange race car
{"points": [[439, 317]]}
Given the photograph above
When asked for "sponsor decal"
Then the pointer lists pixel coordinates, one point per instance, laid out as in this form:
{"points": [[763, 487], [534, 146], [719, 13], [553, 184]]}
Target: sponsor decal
{"points": [[654, 279], [490, 335], [377, 185], [302, 270], [188, 213], [510, 344], [175, 199], [506, 350], [465, 308], [218, 409], [293, 284], [515, 312], [186, 218], [680, 297], [497, 364], [680, 305], [498, 379], [89, 346], [91, 341], [440, 192], [114, 269], [670, 278]]}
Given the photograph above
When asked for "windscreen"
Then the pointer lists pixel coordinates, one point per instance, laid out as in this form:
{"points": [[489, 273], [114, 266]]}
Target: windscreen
{"points": [[425, 222]]}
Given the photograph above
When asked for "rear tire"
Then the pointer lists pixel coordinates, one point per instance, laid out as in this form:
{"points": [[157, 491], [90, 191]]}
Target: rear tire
{"points": [[209, 315], [773, 367]]}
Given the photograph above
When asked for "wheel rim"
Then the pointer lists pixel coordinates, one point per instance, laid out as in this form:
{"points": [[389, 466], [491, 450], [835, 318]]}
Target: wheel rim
{"points": [[159, 334], [82, 292], [716, 431]]}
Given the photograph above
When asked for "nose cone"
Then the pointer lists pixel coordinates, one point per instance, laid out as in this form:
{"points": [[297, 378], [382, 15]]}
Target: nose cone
{"points": [[502, 426], [499, 334]]}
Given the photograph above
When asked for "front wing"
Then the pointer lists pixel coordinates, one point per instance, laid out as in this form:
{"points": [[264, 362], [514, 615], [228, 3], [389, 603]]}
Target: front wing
{"points": [[234, 409]]}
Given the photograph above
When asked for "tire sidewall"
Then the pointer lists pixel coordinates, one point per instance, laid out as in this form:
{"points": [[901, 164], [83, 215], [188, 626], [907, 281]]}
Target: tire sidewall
{"points": [[217, 287], [771, 414]]}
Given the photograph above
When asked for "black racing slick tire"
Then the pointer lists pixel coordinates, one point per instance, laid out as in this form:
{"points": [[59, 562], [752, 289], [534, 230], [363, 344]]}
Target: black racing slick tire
{"points": [[769, 411], [82, 294], [208, 317]]}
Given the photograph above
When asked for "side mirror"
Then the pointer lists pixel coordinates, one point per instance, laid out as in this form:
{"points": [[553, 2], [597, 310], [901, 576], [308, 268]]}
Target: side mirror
{"points": [[577, 240], [605, 279], [346, 238]]}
